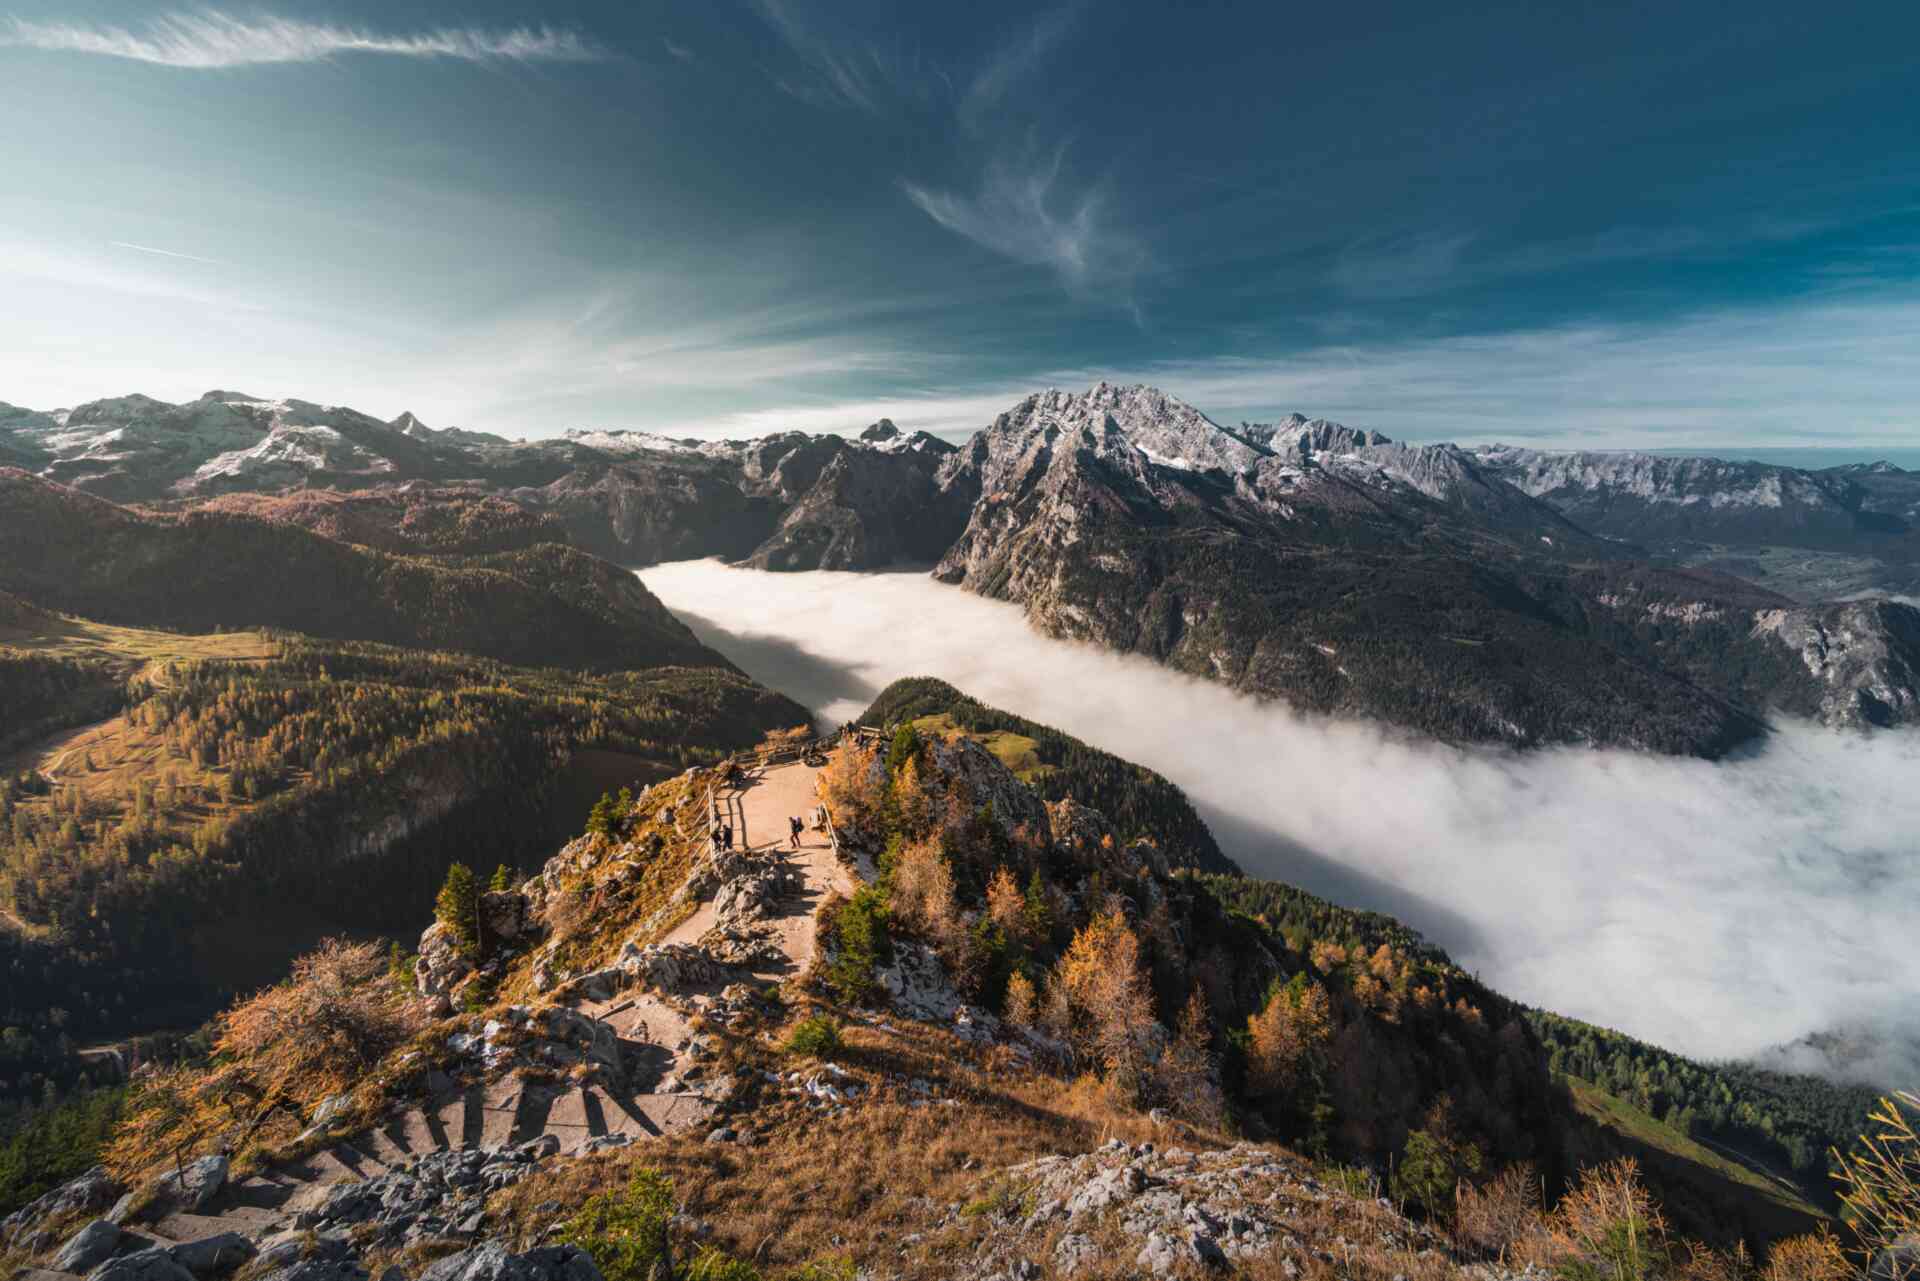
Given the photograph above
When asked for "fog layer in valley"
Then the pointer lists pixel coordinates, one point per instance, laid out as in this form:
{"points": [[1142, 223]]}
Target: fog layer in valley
{"points": [[1722, 910]]}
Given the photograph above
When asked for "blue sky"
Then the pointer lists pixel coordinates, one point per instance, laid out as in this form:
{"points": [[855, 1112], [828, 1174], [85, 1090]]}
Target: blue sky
{"points": [[1612, 224]]}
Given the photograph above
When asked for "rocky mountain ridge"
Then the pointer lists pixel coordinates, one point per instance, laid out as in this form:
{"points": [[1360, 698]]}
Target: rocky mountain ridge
{"points": [[1302, 559], [1869, 509]]}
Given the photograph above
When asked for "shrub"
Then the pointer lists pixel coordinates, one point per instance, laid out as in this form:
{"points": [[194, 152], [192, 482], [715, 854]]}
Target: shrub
{"points": [[836, 1268], [1608, 1228], [861, 944], [626, 1231], [324, 1028], [1433, 1165], [713, 1264], [1815, 1257], [1497, 1215], [816, 1036]]}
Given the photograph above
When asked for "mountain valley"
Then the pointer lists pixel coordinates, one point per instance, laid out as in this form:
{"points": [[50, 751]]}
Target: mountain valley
{"points": [[1166, 995]]}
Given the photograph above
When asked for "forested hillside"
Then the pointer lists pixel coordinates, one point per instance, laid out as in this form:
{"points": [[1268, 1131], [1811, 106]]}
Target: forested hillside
{"points": [[1789, 1124], [1137, 800], [205, 570], [434, 521], [236, 808]]}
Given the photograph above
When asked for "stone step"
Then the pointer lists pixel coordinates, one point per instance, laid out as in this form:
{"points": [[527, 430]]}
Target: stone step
{"points": [[43, 1274], [356, 1156], [421, 1133], [248, 1221], [323, 1166], [499, 1106], [380, 1144], [452, 1116], [574, 1117], [530, 1120], [259, 1192]]}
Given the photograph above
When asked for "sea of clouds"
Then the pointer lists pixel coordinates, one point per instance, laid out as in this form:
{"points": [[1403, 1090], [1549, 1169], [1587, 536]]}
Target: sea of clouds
{"points": [[1724, 910]]}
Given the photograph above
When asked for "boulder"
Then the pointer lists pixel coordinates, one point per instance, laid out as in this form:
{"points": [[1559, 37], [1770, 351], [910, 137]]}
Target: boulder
{"points": [[318, 1269], [213, 1256], [593, 1040], [90, 1191], [192, 1187], [492, 1262], [330, 1110], [669, 967], [88, 1248], [142, 1265]]}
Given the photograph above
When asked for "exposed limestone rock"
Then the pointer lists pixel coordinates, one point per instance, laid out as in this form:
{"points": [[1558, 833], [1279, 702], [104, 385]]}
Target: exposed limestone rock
{"points": [[1863, 655], [88, 1247], [93, 1190], [492, 1262], [142, 1265], [192, 1187], [441, 964]]}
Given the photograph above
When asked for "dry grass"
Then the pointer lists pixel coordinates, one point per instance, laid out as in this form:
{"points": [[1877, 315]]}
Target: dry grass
{"points": [[331, 1028], [813, 1186]]}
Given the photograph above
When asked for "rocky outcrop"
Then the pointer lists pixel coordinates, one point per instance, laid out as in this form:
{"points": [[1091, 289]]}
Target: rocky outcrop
{"points": [[191, 1187], [442, 961], [437, 1196], [1863, 658], [492, 1262], [25, 1228], [1174, 1212]]}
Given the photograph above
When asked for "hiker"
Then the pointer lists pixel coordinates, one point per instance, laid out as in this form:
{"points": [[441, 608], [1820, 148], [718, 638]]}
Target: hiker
{"points": [[726, 835], [717, 845], [794, 828]]}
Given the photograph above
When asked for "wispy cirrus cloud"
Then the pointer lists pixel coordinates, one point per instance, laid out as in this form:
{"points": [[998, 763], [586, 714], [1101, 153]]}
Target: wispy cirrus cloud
{"points": [[845, 71], [211, 40], [164, 253], [1016, 59], [1026, 210]]}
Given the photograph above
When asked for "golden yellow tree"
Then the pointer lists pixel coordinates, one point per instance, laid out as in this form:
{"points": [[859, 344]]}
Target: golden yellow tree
{"points": [[1006, 905], [1296, 1022]]}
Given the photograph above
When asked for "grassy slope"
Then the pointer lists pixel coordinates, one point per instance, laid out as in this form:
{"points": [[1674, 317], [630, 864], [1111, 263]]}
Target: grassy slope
{"points": [[1698, 1185]]}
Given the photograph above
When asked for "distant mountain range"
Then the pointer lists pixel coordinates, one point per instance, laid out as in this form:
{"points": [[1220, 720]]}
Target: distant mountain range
{"points": [[1488, 595]]}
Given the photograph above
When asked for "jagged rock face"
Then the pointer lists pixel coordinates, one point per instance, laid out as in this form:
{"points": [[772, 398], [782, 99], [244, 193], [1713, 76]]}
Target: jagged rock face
{"points": [[984, 781], [1863, 658], [492, 1262], [1327, 579], [867, 507]]}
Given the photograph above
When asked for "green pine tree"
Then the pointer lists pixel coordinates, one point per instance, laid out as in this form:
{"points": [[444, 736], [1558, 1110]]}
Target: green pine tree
{"points": [[906, 746], [502, 879], [458, 906]]}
